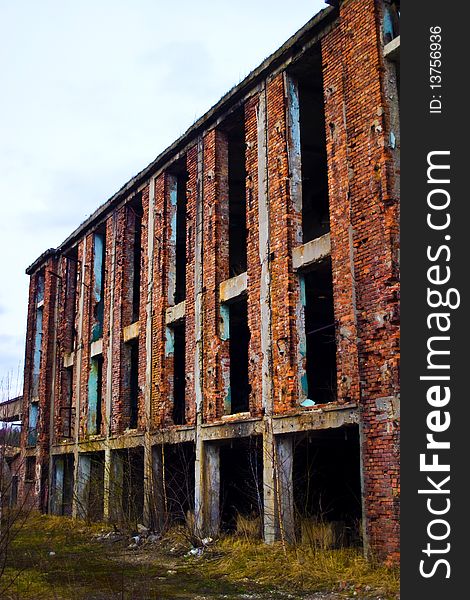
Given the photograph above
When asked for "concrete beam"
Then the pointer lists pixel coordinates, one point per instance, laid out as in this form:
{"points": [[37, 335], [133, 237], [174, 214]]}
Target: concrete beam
{"points": [[175, 313], [68, 359], [229, 430], [314, 251], [131, 332], [233, 287], [11, 410], [392, 50], [327, 417]]}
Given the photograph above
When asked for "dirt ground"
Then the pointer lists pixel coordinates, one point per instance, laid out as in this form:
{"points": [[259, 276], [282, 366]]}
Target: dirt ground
{"points": [[54, 558]]}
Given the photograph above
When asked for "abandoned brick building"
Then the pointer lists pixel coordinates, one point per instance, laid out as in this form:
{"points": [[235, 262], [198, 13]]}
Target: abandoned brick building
{"points": [[221, 337]]}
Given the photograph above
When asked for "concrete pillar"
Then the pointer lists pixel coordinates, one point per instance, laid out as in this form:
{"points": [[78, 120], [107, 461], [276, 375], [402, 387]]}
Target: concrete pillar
{"points": [[285, 487], [159, 508], [57, 487], [270, 530], [199, 478], [107, 485], [278, 487], [207, 492], [82, 487], [116, 485], [198, 333], [149, 516], [212, 489]]}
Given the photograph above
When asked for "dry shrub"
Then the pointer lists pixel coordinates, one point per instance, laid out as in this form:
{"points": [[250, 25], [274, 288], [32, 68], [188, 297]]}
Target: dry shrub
{"points": [[323, 535], [249, 526]]}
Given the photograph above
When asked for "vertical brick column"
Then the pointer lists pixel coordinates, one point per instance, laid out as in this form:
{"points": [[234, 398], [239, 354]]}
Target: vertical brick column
{"points": [[85, 340], [118, 412], [161, 411], [107, 324], [46, 382], [284, 284], [64, 344], [364, 233], [216, 269], [190, 325], [143, 309], [23, 491], [253, 255]]}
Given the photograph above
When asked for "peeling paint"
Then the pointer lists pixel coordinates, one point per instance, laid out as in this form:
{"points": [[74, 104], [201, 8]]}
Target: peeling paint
{"points": [[98, 282], [224, 322], [169, 341], [92, 395]]}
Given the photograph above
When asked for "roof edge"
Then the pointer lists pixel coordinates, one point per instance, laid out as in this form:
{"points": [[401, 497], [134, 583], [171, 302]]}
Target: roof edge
{"points": [[40, 260]]}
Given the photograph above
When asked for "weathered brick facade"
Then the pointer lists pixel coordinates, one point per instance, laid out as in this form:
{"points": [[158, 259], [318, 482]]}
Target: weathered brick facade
{"points": [[112, 376]]}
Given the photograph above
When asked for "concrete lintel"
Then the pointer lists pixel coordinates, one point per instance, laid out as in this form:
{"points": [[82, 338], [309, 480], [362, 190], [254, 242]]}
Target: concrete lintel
{"points": [[233, 287], [68, 359], [173, 436], [131, 332], [96, 348], [65, 448], [175, 313], [392, 50], [311, 252], [231, 430], [317, 419]]}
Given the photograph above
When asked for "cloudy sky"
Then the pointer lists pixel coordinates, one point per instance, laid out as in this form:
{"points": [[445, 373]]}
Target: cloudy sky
{"points": [[91, 92]]}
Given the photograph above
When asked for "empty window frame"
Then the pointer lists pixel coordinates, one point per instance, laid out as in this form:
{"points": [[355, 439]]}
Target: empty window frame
{"points": [[391, 22], [33, 424], [37, 351], [66, 410], [134, 218], [71, 298], [237, 194], [95, 387], [133, 354], [307, 118], [239, 336], [99, 252], [179, 373], [180, 250], [177, 214], [30, 468], [320, 333]]}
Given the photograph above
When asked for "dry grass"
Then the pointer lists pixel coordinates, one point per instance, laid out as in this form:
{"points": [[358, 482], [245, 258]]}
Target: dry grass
{"points": [[82, 568], [302, 568]]}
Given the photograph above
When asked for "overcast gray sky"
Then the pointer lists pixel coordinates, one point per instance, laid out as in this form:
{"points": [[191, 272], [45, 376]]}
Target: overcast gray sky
{"points": [[91, 92]]}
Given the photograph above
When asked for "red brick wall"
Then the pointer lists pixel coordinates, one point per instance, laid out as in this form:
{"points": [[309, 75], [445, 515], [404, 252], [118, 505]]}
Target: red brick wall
{"points": [[284, 283], [84, 342], [38, 494], [253, 257], [191, 195], [216, 269], [143, 309], [364, 232]]}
